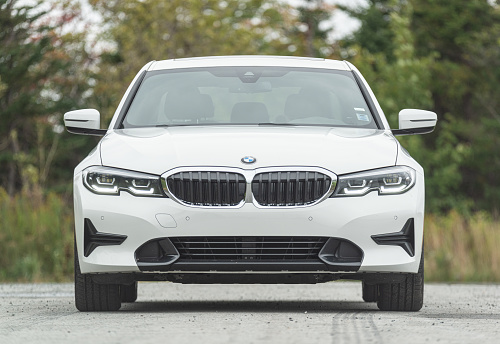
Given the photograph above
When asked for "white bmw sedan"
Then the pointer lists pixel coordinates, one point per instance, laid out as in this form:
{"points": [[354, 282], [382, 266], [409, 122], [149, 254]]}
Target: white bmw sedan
{"points": [[249, 169]]}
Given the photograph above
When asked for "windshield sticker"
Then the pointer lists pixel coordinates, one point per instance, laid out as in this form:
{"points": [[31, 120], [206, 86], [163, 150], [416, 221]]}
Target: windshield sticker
{"points": [[359, 109], [363, 117]]}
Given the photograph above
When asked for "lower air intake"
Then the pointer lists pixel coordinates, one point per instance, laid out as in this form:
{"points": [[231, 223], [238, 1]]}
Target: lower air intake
{"points": [[249, 249]]}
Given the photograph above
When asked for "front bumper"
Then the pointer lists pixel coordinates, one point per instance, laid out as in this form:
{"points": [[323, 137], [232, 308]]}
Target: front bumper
{"points": [[354, 219]]}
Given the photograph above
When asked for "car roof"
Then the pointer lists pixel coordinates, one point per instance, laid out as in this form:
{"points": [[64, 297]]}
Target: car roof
{"points": [[249, 60]]}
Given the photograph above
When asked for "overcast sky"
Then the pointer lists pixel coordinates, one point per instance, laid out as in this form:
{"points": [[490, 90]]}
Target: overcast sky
{"points": [[342, 24]]}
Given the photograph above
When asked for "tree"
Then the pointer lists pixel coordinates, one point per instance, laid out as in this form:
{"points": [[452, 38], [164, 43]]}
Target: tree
{"points": [[375, 34], [455, 45], [465, 90], [402, 79], [42, 74], [314, 37], [141, 31]]}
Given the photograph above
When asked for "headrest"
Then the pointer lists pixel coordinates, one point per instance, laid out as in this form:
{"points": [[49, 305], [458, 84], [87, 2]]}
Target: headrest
{"points": [[296, 107], [249, 112], [188, 105], [308, 102]]}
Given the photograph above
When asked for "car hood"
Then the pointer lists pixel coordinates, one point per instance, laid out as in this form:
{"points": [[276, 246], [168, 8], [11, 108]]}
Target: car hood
{"points": [[157, 150]]}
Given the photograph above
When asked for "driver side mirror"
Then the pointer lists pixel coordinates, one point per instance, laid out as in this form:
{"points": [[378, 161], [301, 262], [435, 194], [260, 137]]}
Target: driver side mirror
{"points": [[413, 121], [84, 122]]}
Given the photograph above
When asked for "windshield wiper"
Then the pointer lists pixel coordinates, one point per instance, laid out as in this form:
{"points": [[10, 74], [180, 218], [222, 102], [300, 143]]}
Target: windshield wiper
{"points": [[260, 124], [173, 125], [277, 124]]}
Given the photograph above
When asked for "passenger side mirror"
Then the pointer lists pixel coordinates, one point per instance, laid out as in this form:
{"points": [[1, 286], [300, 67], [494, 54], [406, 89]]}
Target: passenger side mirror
{"points": [[84, 122], [413, 121]]}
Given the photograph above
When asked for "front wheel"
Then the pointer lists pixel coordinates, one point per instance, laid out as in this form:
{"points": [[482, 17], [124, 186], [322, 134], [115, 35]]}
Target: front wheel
{"points": [[128, 292], [370, 292], [93, 297], [405, 296]]}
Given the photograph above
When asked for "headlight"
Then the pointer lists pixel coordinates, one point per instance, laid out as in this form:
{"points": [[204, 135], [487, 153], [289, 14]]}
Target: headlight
{"points": [[387, 181], [110, 181]]}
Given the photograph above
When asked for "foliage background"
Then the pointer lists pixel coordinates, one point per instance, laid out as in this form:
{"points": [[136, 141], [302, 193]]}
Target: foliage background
{"points": [[438, 55]]}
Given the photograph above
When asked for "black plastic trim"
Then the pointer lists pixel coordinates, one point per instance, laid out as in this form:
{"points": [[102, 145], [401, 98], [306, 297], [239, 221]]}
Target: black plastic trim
{"points": [[86, 131], [155, 254], [93, 239], [246, 249], [368, 100], [422, 120], [412, 131], [405, 238], [341, 252], [262, 266], [289, 188], [336, 255], [208, 188], [128, 101], [377, 277], [247, 278], [252, 278], [76, 120]]}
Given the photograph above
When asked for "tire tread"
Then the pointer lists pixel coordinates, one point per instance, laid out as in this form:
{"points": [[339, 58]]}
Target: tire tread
{"points": [[405, 296], [91, 297], [128, 293], [369, 292]]}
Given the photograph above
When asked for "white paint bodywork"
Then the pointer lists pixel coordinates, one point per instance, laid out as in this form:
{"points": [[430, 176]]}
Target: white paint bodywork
{"points": [[338, 150], [156, 150], [415, 118], [84, 118]]}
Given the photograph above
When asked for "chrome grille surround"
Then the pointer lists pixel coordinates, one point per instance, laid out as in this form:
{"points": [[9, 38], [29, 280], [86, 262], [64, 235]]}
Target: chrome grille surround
{"points": [[328, 187]]}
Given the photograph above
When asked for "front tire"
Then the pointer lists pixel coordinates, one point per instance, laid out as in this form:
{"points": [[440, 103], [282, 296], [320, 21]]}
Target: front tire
{"points": [[128, 293], [93, 297], [405, 296], [370, 292]]}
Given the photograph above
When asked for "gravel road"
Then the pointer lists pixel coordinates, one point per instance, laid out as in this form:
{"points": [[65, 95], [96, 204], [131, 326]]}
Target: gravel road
{"points": [[323, 313]]}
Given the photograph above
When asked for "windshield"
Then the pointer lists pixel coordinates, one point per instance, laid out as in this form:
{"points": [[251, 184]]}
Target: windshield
{"points": [[249, 96]]}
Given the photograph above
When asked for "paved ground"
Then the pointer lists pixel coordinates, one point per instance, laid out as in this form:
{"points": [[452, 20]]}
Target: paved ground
{"points": [[323, 313]]}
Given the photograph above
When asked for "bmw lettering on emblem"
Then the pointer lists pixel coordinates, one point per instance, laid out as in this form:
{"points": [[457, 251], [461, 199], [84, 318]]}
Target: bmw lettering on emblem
{"points": [[248, 160]]}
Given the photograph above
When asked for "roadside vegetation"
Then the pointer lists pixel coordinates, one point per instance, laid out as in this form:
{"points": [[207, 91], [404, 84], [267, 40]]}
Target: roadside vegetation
{"points": [[462, 248], [36, 240], [55, 57]]}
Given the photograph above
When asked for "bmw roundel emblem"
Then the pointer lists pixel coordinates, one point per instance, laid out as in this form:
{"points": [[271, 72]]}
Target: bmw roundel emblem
{"points": [[248, 160]]}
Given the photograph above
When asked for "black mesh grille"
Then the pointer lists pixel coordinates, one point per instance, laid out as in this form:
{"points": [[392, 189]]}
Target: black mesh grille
{"points": [[289, 188], [208, 188], [248, 248]]}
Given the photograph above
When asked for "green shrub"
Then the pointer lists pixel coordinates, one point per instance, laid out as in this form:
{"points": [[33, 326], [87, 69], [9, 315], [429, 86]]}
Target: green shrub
{"points": [[36, 238]]}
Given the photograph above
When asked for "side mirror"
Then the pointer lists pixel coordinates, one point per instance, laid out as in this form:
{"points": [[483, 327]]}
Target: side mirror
{"points": [[413, 121], [85, 122]]}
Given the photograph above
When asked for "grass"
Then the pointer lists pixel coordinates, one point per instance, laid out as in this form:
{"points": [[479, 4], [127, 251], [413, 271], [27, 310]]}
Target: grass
{"points": [[36, 238], [459, 249], [36, 242]]}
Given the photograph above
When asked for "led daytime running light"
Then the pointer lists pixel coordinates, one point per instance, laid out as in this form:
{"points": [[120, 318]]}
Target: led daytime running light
{"points": [[387, 181], [110, 181]]}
